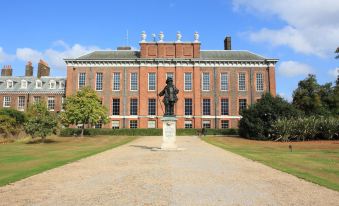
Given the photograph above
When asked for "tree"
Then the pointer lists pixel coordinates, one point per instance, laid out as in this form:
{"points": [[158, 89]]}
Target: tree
{"points": [[13, 121], [40, 122], [337, 52], [18, 116], [257, 120], [7, 125], [84, 108]]}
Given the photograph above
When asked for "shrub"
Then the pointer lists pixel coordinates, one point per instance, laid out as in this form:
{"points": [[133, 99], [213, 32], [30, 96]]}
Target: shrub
{"points": [[7, 126], [18, 116]]}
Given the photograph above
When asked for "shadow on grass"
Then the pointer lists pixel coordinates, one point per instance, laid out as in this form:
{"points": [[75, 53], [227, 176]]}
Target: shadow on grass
{"points": [[39, 141]]}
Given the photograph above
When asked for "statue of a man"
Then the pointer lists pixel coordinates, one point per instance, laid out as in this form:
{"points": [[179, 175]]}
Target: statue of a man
{"points": [[170, 96]]}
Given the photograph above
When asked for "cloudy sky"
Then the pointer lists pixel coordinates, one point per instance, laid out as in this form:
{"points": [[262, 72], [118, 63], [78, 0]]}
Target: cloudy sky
{"points": [[302, 34]]}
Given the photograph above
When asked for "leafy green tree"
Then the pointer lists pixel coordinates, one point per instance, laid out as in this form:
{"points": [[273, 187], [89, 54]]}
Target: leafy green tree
{"points": [[40, 122], [257, 120], [18, 116], [7, 125], [84, 108], [337, 52]]}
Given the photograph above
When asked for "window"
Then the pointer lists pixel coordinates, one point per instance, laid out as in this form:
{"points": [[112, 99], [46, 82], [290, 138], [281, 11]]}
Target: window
{"points": [[260, 82], [7, 101], [115, 124], [134, 82], [151, 107], [98, 83], [9, 84], [51, 103], [61, 84], [170, 74], [151, 124], [205, 81], [224, 82], [116, 81], [116, 107], [23, 84], [38, 84], [134, 107], [151, 81], [98, 125], [188, 106], [62, 103], [206, 107], [242, 82], [242, 105], [188, 81], [224, 106], [21, 102], [188, 124], [52, 84], [206, 124], [224, 124], [82, 80], [133, 124], [36, 99]]}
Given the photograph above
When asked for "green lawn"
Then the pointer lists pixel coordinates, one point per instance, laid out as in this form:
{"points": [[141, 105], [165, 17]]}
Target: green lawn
{"points": [[23, 159], [315, 161]]}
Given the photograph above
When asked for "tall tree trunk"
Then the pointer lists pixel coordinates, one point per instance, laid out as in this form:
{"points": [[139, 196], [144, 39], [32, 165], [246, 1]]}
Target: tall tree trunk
{"points": [[82, 130]]}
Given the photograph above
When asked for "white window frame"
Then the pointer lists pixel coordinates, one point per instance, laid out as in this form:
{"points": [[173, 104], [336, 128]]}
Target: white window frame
{"points": [[152, 106], [115, 124], [62, 103], [190, 85], [38, 84], [130, 82], [51, 101], [7, 101], [240, 81], [151, 124], [203, 112], [23, 84], [224, 87], [226, 121], [84, 80], [155, 81], [131, 106], [61, 84], [10, 84], [21, 103], [36, 99], [259, 82], [188, 122], [52, 84], [203, 81], [99, 83], [187, 105], [114, 82], [204, 122], [130, 122]]}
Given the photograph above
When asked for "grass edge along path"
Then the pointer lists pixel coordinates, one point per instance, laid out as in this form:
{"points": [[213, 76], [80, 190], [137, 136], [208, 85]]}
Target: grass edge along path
{"points": [[250, 154], [10, 176]]}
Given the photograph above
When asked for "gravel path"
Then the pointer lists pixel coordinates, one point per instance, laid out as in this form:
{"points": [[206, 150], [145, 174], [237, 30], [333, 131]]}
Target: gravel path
{"points": [[134, 175]]}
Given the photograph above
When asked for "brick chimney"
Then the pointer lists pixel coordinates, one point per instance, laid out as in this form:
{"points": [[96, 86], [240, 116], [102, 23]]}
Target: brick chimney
{"points": [[227, 43], [29, 69], [7, 70], [43, 69]]}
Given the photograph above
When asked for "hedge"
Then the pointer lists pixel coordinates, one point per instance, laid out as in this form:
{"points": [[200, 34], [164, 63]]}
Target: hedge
{"points": [[67, 132]]}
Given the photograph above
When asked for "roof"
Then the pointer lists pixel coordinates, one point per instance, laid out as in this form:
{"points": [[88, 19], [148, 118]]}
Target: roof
{"points": [[241, 55], [31, 84]]}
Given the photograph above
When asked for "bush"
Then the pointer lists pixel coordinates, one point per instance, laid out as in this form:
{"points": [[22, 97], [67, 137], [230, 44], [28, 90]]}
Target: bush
{"points": [[20, 117]]}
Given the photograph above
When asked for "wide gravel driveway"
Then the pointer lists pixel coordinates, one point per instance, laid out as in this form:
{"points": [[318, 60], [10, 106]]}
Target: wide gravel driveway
{"points": [[134, 175]]}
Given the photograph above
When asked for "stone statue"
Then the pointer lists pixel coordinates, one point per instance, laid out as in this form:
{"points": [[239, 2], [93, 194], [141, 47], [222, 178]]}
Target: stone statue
{"points": [[170, 97]]}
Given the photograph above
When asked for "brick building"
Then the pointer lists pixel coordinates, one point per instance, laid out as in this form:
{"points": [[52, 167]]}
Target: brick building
{"points": [[19, 91], [215, 85]]}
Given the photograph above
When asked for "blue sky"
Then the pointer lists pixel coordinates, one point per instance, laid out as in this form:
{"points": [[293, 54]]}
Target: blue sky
{"points": [[302, 35]]}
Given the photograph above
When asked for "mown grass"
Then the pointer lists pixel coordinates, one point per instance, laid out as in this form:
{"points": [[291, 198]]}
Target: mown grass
{"points": [[314, 161], [19, 160]]}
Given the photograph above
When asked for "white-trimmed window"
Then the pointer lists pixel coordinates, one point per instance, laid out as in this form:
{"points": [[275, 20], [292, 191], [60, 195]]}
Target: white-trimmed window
{"points": [[151, 124], [23, 84], [151, 81], [206, 107], [224, 81], [116, 107], [152, 107], [205, 81], [133, 107], [206, 124], [242, 81], [188, 106], [7, 101], [98, 82], [188, 81], [51, 103], [133, 124], [242, 105], [115, 124], [9, 84], [116, 81], [21, 102], [188, 124], [61, 84], [36, 99], [170, 74], [224, 106], [38, 84], [260, 82], [62, 103], [134, 82], [98, 125], [52, 84], [82, 80], [224, 124]]}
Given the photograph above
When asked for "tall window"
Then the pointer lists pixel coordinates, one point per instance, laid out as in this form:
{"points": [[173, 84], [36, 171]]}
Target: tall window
{"points": [[82, 80], [21, 102], [188, 107], [23, 84], [98, 125], [115, 124], [134, 107], [98, 82], [206, 124], [242, 105], [7, 101], [224, 124], [242, 82], [224, 82], [260, 82], [151, 81], [9, 84], [133, 124], [188, 124], [36, 99], [134, 82], [188, 81], [116, 107], [62, 103], [151, 107], [206, 107], [170, 74], [116, 81], [224, 106], [205, 81], [50, 103]]}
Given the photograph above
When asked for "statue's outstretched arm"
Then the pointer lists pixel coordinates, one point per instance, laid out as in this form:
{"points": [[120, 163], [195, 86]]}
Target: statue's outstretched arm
{"points": [[162, 93]]}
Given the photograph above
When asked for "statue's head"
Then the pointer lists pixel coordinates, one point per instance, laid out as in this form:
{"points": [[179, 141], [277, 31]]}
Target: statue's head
{"points": [[169, 80]]}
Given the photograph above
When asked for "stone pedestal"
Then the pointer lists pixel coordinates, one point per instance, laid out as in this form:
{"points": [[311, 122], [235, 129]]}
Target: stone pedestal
{"points": [[169, 127]]}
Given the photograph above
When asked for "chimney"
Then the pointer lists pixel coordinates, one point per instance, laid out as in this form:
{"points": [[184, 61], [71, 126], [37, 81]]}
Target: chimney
{"points": [[124, 48], [29, 69], [43, 69], [227, 43], [7, 70]]}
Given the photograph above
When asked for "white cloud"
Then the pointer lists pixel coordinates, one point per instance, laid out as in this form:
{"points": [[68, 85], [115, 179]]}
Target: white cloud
{"points": [[293, 68], [28, 54], [334, 72], [4, 57], [312, 25]]}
